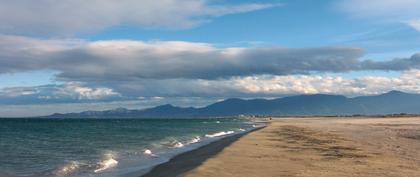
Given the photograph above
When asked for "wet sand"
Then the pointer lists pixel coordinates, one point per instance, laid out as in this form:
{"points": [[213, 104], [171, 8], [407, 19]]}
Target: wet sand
{"points": [[309, 147]]}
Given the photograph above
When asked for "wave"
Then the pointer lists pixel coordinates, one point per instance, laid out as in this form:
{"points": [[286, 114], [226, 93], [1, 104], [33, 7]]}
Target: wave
{"points": [[67, 169], [241, 129], [107, 163], [219, 134], [178, 145], [194, 140], [149, 152]]}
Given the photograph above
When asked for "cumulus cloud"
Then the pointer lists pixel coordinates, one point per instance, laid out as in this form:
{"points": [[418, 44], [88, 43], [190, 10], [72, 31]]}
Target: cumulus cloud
{"points": [[56, 93], [246, 86], [312, 84], [72, 16], [400, 11], [274, 86], [119, 70]]}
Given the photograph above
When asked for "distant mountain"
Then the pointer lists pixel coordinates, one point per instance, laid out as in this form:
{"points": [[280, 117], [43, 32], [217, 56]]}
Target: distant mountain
{"points": [[318, 104]]}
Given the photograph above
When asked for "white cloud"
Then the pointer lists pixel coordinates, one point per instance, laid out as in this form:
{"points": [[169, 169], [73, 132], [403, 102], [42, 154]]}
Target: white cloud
{"points": [[243, 87], [72, 16], [394, 11], [311, 84], [415, 24], [82, 92], [71, 91]]}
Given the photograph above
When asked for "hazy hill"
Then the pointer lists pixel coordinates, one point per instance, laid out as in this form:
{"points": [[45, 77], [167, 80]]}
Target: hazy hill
{"points": [[317, 104]]}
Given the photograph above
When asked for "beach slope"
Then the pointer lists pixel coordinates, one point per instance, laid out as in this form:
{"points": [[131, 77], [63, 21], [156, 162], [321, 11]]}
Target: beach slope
{"points": [[315, 147]]}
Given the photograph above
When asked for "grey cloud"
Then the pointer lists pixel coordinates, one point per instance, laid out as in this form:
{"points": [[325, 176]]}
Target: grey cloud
{"points": [[67, 17], [208, 64], [77, 60], [397, 64], [106, 61]]}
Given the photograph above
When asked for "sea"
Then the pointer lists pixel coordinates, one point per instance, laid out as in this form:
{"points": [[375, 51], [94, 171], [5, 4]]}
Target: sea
{"points": [[31, 147]]}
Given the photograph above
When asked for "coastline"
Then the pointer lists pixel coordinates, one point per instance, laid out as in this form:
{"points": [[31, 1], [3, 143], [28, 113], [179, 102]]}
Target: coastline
{"points": [[318, 146], [189, 160]]}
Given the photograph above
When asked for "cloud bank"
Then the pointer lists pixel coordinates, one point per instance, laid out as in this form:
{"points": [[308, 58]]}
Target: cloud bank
{"points": [[77, 60], [117, 70], [246, 86], [67, 17]]}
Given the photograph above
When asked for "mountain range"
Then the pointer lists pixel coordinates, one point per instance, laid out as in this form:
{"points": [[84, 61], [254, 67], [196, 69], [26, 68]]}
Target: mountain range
{"points": [[392, 102]]}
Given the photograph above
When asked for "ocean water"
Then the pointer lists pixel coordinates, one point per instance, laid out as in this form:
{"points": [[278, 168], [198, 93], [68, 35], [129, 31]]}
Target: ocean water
{"points": [[102, 147]]}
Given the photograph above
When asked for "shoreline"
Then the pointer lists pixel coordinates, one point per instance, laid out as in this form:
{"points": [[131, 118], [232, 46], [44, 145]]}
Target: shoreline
{"points": [[317, 146], [184, 162]]}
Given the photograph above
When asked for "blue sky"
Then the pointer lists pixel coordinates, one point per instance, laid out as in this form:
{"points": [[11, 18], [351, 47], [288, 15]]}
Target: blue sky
{"points": [[295, 23], [194, 52]]}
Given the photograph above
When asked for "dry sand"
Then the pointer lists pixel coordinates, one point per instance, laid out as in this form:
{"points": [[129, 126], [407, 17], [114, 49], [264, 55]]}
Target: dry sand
{"points": [[309, 147]]}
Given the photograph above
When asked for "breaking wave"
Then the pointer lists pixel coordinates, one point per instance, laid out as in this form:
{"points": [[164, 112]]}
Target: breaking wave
{"points": [[67, 169], [194, 140], [219, 134], [107, 163], [149, 152], [178, 145]]}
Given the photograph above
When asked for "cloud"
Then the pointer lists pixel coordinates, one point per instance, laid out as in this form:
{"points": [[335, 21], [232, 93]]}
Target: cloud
{"points": [[397, 64], [57, 93], [121, 70], [311, 84], [275, 86], [76, 90], [243, 87], [77, 60], [79, 16], [394, 11], [414, 24]]}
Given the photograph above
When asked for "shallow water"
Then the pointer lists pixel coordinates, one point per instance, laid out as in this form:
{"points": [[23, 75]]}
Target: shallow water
{"points": [[102, 147]]}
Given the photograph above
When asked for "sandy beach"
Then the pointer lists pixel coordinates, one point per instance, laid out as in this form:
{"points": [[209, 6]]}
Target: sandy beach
{"points": [[309, 147]]}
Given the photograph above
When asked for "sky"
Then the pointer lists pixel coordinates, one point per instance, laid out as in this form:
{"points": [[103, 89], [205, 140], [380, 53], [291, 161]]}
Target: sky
{"points": [[76, 55]]}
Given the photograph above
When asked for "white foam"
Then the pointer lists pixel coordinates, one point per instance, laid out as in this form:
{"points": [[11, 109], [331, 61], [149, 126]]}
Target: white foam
{"points": [[68, 168], [178, 145], [241, 129], [149, 152], [217, 122], [194, 140], [219, 134], [108, 163]]}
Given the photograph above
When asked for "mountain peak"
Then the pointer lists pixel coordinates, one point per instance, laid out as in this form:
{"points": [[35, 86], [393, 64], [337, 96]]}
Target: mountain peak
{"points": [[120, 109], [394, 92], [165, 106]]}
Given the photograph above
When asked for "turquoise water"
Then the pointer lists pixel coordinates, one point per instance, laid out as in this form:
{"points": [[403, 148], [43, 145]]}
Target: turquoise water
{"points": [[102, 147]]}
